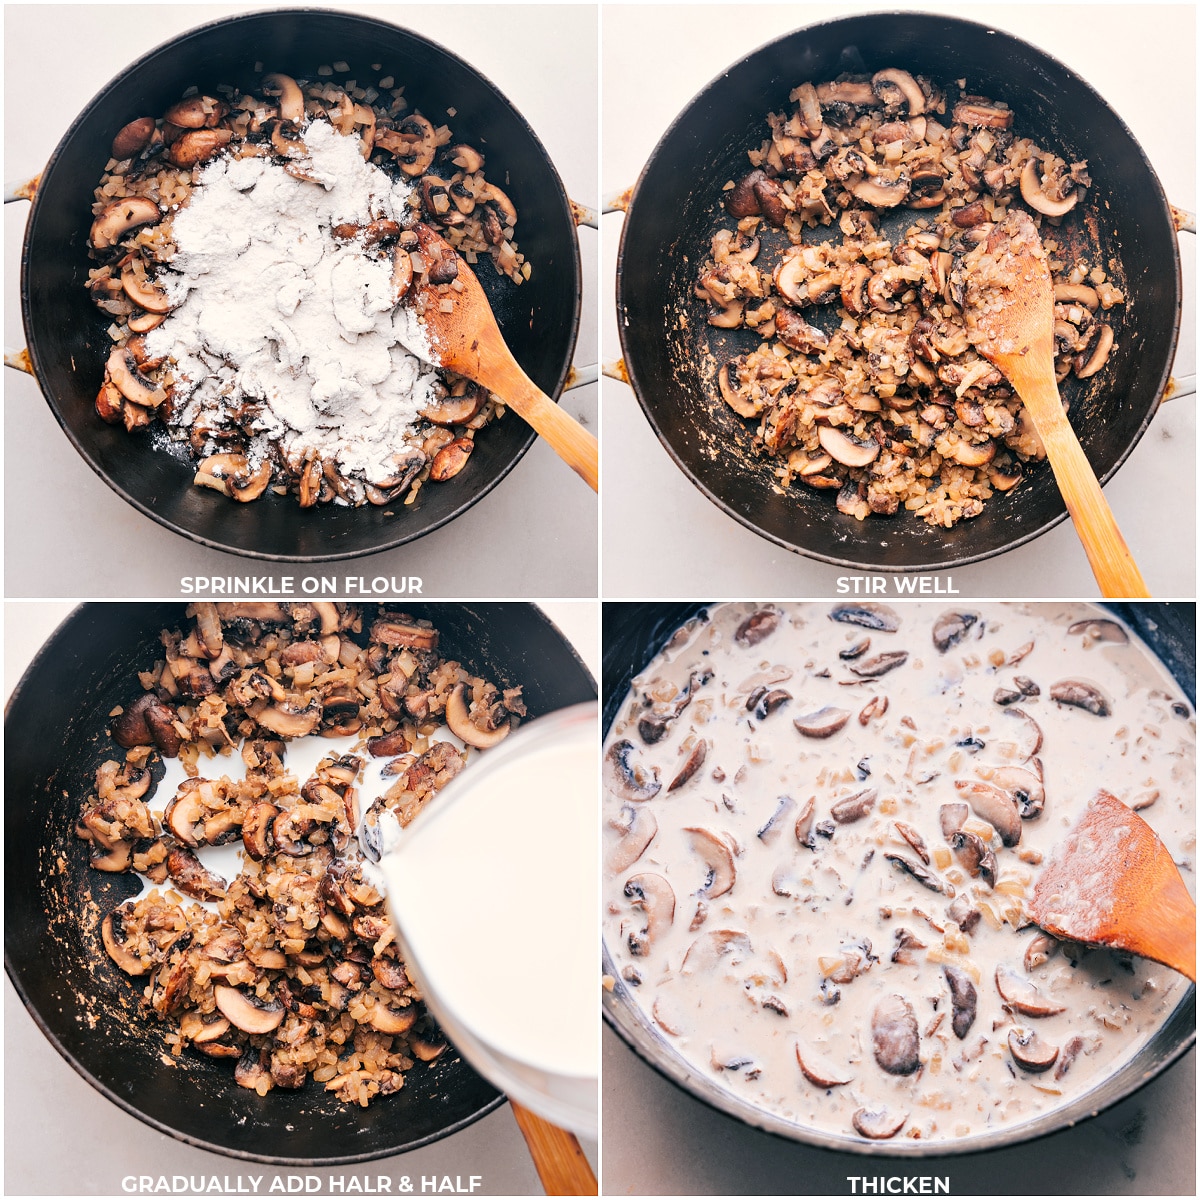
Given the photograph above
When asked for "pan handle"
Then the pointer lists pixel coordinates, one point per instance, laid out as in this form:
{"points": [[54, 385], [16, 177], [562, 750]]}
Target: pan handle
{"points": [[26, 189], [1184, 221]]}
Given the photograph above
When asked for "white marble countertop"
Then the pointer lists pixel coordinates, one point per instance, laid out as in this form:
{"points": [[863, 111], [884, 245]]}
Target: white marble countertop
{"points": [[62, 1137], [1141, 58], [68, 534]]}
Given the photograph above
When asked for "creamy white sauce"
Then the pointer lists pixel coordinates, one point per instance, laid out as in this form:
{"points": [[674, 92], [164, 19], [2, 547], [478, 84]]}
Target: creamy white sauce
{"points": [[733, 981]]}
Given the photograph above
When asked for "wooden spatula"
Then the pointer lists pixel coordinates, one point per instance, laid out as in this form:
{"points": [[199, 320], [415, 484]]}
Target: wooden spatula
{"points": [[1112, 883], [461, 335], [557, 1155], [1009, 311]]}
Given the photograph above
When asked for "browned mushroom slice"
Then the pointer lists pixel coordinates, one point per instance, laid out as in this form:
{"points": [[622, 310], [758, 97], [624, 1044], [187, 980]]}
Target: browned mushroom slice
{"points": [[804, 821], [880, 664], [458, 718], [974, 454], [112, 934], [924, 877], [769, 701], [1070, 1052], [878, 1124], [963, 1000], [695, 760], [1078, 693], [963, 913], [757, 626], [869, 616], [854, 808], [775, 823], [878, 191], [742, 403], [1029, 1051], [656, 898], [899, 89], [847, 449], [133, 138], [291, 98], [197, 146], [1025, 788], [637, 828], [1040, 950], [628, 780], [192, 877], [257, 827], [994, 806], [979, 113], [707, 951], [951, 627], [716, 851], [820, 1070], [123, 370], [184, 815], [1030, 735], [120, 217], [857, 94], [823, 723], [1023, 996], [143, 293], [797, 334], [391, 1020], [289, 720], [1033, 194], [895, 1040], [914, 839], [248, 1013], [975, 855]]}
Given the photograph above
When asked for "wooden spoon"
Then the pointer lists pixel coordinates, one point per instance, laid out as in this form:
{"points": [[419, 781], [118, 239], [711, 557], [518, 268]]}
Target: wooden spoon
{"points": [[1009, 311], [557, 1155], [458, 331], [1112, 883]]}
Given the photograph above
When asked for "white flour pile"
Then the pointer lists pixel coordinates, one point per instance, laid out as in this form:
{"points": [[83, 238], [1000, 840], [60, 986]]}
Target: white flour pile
{"points": [[272, 311]]}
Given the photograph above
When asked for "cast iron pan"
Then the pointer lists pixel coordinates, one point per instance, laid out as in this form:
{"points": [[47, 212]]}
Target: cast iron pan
{"points": [[633, 633], [66, 333], [673, 355], [55, 737]]}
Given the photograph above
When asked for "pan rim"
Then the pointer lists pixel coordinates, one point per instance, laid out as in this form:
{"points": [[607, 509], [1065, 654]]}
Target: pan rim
{"points": [[1156, 203], [564, 214]]}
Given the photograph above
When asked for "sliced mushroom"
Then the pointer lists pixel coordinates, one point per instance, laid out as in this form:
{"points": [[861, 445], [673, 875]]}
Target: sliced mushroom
{"points": [[197, 146], [774, 825], [1100, 629], [191, 876], [120, 217], [185, 814], [819, 1070], [716, 851], [1040, 950], [1025, 788], [978, 113], [248, 1013], [391, 1020], [291, 98], [1029, 1051], [878, 1124], [804, 821], [823, 723], [143, 293], [854, 808], [879, 192], [290, 721], [627, 780], [994, 806], [1078, 693], [847, 449], [975, 855], [880, 664], [914, 839], [951, 627], [897, 89], [122, 368], [758, 626], [924, 877], [1023, 996], [257, 827], [894, 1037], [637, 829], [707, 951], [459, 720], [951, 817], [974, 454], [112, 931], [869, 616], [133, 138], [656, 898], [695, 760], [1031, 735], [1070, 1052], [1035, 197], [963, 1000]]}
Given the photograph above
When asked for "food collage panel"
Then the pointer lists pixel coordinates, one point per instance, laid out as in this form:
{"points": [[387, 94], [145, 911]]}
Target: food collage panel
{"points": [[600, 599]]}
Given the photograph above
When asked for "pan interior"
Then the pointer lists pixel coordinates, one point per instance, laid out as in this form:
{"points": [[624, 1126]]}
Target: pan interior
{"points": [[67, 334], [673, 355], [56, 735]]}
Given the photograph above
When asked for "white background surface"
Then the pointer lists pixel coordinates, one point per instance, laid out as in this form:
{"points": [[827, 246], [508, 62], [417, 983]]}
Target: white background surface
{"points": [[61, 1137], [1141, 58], [68, 534]]}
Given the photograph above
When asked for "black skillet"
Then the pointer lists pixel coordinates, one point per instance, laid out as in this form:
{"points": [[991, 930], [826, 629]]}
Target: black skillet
{"points": [[66, 333], [633, 633], [672, 355], [55, 737]]}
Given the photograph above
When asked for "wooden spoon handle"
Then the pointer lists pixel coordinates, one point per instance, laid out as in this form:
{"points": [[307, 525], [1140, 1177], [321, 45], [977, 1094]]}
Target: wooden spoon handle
{"points": [[557, 1155], [567, 438], [1112, 564]]}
